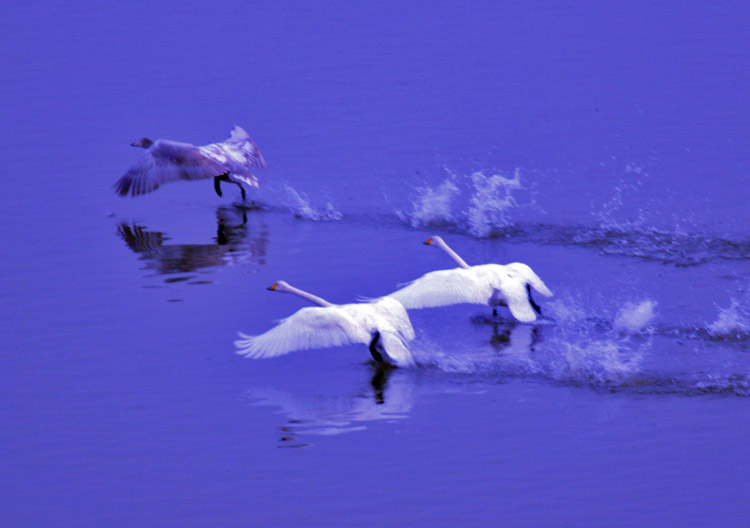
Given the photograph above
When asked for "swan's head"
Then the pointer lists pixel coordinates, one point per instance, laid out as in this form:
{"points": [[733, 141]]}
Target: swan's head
{"points": [[434, 241], [144, 142], [280, 286]]}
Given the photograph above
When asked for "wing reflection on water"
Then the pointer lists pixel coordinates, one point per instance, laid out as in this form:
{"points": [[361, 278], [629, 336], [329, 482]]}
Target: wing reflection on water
{"points": [[330, 404], [330, 409], [235, 242]]}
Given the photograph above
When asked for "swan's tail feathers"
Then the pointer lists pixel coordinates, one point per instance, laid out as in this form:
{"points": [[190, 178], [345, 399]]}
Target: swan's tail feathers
{"points": [[397, 352], [527, 274]]}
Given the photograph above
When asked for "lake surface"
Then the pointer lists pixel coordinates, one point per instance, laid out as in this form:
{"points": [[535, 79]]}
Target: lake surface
{"points": [[604, 144]]}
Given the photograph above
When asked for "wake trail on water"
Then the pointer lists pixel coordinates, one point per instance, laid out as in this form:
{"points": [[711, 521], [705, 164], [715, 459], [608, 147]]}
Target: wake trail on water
{"points": [[300, 205], [493, 206], [283, 198], [620, 349]]}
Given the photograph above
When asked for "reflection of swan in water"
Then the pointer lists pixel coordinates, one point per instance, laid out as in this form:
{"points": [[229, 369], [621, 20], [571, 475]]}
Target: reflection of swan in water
{"points": [[511, 338], [319, 410], [233, 243]]}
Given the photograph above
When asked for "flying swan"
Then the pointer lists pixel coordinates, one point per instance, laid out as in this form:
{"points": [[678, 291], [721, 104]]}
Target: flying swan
{"points": [[493, 284], [166, 161], [382, 324]]}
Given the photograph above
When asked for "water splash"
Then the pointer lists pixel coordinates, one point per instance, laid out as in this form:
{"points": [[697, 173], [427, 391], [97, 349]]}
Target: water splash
{"points": [[635, 317], [300, 205], [578, 347], [565, 310], [733, 322], [599, 363], [491, 203], [491, 200], [482, 206], [609, 215], [590, 343], [626, 230], [432, 206]]}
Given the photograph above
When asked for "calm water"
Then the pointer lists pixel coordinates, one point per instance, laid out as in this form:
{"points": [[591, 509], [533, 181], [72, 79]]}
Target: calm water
{"points": [[604, 144]]}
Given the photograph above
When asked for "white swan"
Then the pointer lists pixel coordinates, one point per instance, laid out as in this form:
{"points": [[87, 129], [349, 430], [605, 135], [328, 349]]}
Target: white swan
{"points": [[494, 284], [167, 161], [382, 324]]}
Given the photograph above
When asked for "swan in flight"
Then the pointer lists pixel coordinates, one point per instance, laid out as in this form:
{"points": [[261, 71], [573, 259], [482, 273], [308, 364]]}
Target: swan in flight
{"points": [[382, 324], [166, 161], [494, 284]]}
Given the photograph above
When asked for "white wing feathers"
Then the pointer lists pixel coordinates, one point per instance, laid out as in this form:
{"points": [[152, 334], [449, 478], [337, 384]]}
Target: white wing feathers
{"points": [[164, 162], [444, 287], [242, 141], [167, 161], [396, 349], [393, 312], [314, 327], [513, 292], [491, 284], [332, 326], [525, 273], [238, 135]]}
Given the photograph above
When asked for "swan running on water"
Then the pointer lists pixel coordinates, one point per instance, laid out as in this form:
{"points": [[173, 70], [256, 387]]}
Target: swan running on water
{"points": [[382, 324], [167, 161], [494, 284]]}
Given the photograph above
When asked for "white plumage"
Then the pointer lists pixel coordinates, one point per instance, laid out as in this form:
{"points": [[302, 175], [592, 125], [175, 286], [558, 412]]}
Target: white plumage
{"points": [[166, 161], [491, 284], [382, 324]]}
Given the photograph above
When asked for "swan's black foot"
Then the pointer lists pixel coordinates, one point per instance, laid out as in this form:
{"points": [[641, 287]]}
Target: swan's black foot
{"points": [[378, 352], [242, 190], [374, 346], [494, 312], [217, 185], [534, 305]]}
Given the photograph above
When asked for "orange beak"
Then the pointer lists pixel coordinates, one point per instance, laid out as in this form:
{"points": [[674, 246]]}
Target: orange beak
{"points": [[428, 242], [272, 287]]}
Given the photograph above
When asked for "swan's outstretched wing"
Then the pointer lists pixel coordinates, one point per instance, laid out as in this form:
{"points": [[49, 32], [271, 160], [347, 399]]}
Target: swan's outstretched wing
{"points": [[396, 349], [442, 288], [395, 313], [314, 327], [168, 161], [525, 273], [515, 294], [242, 140]]}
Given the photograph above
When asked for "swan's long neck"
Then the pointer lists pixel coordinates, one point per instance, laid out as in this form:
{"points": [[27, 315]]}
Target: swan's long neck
{"points": [[461, 262], [309, 297]]}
